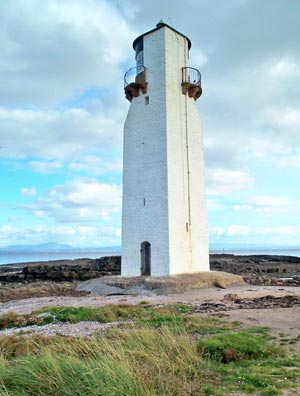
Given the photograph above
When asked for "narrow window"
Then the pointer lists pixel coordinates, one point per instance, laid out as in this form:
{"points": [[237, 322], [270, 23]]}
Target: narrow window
{"points": [[144, 201]]}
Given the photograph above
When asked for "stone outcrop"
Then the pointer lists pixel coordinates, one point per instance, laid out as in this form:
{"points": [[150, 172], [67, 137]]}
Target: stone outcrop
{"points": [[260, 269], [256, 269], [147, 285], [61, 270]]}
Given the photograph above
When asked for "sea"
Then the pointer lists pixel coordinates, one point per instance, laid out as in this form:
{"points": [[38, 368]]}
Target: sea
{"points": [[11, 257], [259, 251]]}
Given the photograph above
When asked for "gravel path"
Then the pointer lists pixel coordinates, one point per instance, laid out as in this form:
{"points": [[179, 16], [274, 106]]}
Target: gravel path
{"points": [[81, 329]]}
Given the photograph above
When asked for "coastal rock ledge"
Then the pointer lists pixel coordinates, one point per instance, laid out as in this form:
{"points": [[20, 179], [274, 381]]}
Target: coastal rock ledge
{"points": [[256, 269], [61, 270]]}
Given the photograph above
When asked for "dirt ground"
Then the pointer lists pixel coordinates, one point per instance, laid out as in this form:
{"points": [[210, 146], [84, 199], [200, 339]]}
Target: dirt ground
{"points": [[281, 321]]}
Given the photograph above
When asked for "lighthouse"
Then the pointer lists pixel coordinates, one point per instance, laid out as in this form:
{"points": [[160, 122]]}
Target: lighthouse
{"points": [[164, 225]]}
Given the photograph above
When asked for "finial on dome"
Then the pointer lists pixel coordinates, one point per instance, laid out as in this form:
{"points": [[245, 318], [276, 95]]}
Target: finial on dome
{"points": [[161, 23]]}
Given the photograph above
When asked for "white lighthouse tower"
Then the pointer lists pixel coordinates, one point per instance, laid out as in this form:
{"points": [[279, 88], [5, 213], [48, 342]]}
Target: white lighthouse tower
{"points": [[164, 227]]}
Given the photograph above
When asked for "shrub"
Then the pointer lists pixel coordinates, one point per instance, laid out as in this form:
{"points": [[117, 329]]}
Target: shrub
{"points": [[241, 345]]}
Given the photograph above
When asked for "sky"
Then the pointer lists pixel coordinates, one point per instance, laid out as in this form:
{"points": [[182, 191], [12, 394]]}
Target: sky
{"points": [[62, 110]]}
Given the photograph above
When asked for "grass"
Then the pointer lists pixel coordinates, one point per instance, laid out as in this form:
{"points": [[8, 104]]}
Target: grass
{"points": [[165, 351], [240, 345], [113, 313]]}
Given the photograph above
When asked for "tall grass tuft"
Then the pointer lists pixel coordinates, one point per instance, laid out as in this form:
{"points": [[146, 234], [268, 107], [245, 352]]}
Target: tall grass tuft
{"points": [[132, 362]]}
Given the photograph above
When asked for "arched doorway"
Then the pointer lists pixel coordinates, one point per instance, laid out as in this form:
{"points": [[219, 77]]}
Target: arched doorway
{"points": [[145, 258]]}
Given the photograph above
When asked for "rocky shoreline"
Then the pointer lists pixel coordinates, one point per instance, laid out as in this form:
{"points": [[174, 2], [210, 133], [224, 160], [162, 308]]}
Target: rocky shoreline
{"points": [[269, 270], [256, 269], [62, 277], [60, 270]]}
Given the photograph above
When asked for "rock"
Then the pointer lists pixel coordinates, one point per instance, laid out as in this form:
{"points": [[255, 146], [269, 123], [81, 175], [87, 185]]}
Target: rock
{"points": [[18, 291], [230, 297], [62, 270], [256, 269], [220, 283], [158, 284], [259, 269]]}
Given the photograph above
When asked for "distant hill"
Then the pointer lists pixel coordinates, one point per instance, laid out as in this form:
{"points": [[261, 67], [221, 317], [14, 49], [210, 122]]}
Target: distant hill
{"points": [[54, 247]]}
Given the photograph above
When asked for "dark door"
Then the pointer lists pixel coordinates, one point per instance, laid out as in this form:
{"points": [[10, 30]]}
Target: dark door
{"points": [[145, 258]]}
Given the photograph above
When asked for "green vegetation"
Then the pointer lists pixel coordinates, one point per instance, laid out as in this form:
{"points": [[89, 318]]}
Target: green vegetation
{"points": [[166, 351], [240, 345], [114, 313]]}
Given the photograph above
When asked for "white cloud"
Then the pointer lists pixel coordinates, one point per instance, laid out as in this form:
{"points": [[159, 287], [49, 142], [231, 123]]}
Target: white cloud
{"points": [[89, 164], [241, 208], [262, 201], [57, 134], [289, 117], [283, 68], [223, 153], [266, 149], [234, 230], [95, 165], [75, 235], [222, 181], [29, 192], [6, 229], [46, 167], [218, 231], [292, 161], [279, 230], [198, 57], [215, 205], [263, 204], [55, 49], [78, 201]]}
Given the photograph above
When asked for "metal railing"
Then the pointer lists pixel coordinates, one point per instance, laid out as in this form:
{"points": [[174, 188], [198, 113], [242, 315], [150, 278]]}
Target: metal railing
{"points": [[191, 75], [131, 74]]}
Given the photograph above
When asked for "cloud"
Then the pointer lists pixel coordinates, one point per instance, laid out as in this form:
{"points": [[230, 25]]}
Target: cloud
{"points": [[89, 164], [55, 49], [234, 230], [289, 117], [223, 182], [29, 192], [198, 57], [45, 167], [75, 235], [223, 154], [292, 161], [6, 229], [96, 166], [58, 134], [78, 201], [62, 106], [263, 204], [284, 67]]}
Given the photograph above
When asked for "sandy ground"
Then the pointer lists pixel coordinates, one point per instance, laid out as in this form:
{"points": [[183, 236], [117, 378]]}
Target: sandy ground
{"points": [[212, 294]]}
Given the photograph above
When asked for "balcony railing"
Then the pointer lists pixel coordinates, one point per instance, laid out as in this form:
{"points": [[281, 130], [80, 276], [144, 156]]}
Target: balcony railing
{"points": [[191, 82], [134, 81]]}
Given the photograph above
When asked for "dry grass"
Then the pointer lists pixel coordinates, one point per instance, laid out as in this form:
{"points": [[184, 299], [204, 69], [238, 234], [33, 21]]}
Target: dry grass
{"points": [[39, 289]]}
